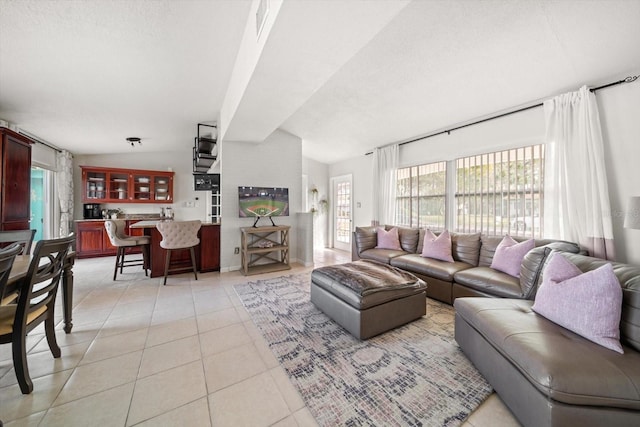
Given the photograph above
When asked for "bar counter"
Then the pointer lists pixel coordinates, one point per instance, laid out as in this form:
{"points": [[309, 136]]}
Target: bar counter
{"points": [[207, 252]]}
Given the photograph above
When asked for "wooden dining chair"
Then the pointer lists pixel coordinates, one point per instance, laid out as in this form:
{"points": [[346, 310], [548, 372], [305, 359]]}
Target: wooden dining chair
{"points": [[179, 235], [23, 237], [7, 256], [36, 304]]}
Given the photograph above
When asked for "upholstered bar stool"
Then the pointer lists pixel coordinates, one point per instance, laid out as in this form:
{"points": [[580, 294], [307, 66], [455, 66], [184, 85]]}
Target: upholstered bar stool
{"points": [[115, 230], [179, 235]]}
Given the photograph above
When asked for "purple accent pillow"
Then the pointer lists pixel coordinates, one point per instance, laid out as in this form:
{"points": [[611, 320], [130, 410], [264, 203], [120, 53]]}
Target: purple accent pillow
{"points": [[509, 255], [388, 239], [589, 304], [437, 247]]}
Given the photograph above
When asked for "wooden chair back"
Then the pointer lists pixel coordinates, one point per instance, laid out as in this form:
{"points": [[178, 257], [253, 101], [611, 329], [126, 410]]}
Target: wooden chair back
{"points": [[24, 237]]}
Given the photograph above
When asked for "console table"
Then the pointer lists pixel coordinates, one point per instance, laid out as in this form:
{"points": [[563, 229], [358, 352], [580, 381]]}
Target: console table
{"points": [[265, 249]]}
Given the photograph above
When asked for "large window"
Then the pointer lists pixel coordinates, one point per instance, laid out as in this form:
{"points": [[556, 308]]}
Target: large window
{"points": [[421, 196], [501, 192]]}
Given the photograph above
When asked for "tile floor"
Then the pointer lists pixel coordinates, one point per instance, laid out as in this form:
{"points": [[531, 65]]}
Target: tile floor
{"points": [[143, 354]]}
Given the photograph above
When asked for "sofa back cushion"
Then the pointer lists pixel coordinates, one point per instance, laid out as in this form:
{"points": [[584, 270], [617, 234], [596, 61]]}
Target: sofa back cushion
{"points": [[466, 247], [408, 238], [365, 238], [629, 278], [534, 261], [488, 249]]}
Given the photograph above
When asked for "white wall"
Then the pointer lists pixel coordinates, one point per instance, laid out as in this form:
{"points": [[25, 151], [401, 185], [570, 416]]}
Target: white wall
{"points": [[317, 177], [180, 162], [276, 162], [619, 110]]}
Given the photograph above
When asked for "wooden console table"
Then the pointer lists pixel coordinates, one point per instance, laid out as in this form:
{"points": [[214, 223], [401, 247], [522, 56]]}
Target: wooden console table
{"points": [[265, 249]]}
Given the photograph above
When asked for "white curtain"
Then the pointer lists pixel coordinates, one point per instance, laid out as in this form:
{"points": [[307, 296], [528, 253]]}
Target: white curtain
{"points": [[385, 163], [576, 195], [64, 180]]}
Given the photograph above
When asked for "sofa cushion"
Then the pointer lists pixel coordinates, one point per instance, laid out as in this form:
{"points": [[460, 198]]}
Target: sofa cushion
{"points": [[465, 247], [488, 280], [366, 238], [408, 238], [588, 304], [437, 247], [534, 261], [388, 239], [509, 254], [629, 279], [437, 269], [559, 363], [381, 255], [488, 247]]}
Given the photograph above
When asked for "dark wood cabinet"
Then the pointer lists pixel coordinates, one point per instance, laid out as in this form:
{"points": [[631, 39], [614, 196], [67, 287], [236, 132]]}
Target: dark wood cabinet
{"points": [[92, 240], [210, 248], [112, 185], [15, 171]]}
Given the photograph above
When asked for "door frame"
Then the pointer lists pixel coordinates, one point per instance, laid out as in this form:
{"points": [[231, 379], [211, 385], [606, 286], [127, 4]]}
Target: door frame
{"points": [[332, 218]]}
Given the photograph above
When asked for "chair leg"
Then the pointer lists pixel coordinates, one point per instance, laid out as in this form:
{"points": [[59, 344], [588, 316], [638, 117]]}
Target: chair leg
{"points": [[115, 271], [145, 258], [193, 262], [19, 348], [166, 265], [122, 253], [50, 332]]}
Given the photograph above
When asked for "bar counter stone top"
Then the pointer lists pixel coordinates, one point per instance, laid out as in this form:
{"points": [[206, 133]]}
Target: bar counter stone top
{"points": [[152, 223]]}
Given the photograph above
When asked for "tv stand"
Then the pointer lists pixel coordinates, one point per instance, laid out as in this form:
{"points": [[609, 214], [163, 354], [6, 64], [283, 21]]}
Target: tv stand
{"points": [[265, 249], [255, 223]]}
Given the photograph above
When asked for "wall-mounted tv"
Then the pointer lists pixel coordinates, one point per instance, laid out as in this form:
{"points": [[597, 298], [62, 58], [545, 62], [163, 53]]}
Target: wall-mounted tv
{"points": [[263, 201]]}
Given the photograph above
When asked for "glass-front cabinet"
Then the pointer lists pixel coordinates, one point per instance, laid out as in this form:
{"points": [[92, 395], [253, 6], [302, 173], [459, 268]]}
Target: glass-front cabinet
{"points": [[111, 185]]}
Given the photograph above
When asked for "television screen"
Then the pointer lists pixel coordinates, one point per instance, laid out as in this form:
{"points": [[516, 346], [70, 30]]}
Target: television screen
{"points": [[263, 201]]}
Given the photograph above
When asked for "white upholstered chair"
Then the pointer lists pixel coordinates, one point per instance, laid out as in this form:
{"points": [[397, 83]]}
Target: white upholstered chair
{"points": [[179, 235], [115, 229]]}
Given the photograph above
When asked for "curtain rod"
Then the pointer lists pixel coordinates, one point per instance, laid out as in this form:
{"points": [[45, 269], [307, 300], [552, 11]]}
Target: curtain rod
{"points": [[448, 131], [38, 140]]}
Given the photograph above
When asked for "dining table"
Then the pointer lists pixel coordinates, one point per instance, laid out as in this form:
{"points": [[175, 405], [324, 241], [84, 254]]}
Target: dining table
{"points": [[19, 272]]}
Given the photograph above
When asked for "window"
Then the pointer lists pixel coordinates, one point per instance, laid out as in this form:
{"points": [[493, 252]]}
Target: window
{"points": [[501, 192], [421, 196]]}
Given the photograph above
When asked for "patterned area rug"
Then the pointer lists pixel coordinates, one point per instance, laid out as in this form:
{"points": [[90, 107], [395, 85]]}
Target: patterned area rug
{"points": [[414, 375]]}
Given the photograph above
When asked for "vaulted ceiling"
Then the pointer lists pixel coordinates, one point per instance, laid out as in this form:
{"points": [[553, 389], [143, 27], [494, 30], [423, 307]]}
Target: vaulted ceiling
{"points": [[343, 75]]}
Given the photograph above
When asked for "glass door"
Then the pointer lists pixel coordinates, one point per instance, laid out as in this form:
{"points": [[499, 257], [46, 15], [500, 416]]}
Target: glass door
{"points": [[42, 204], [342, 213]]}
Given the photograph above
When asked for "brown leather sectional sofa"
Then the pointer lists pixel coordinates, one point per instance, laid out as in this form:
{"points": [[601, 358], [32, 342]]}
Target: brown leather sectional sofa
{"points": [[469, 275], [546, 374]]}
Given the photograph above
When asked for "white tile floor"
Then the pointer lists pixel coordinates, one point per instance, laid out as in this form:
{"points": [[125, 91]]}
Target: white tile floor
{"points": [[185, 354]]}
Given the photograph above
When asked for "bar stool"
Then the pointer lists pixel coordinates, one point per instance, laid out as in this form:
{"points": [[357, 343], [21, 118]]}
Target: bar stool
{"points": [[115, 230], [179, 235]]}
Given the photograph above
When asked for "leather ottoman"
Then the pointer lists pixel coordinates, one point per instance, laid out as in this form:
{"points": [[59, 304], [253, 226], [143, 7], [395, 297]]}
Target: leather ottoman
{"points": [[368, 298]]}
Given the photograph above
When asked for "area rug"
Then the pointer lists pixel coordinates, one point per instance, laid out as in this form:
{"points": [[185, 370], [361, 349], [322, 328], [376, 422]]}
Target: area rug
{"points": [[414, 375]]}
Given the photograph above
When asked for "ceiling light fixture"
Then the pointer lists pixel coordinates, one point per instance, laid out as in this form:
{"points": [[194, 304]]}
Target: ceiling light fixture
{"points": [[132, 140]]}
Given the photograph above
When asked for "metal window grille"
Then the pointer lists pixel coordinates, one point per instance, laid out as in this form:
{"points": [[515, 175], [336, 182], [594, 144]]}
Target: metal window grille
{"points": [[421, 196], [501, 192]]}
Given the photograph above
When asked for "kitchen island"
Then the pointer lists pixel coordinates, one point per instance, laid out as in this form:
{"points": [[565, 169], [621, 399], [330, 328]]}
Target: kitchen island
{"points": [[207, 252]]}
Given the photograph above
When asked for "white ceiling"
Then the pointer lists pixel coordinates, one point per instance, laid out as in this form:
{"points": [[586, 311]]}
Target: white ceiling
{"points": [[84, 75]]}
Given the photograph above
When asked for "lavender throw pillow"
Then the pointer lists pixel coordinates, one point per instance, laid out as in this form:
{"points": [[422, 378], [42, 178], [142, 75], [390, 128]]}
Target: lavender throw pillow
{"points": [[437, 247], [509, 255], [388, 239], [589, 304]]}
